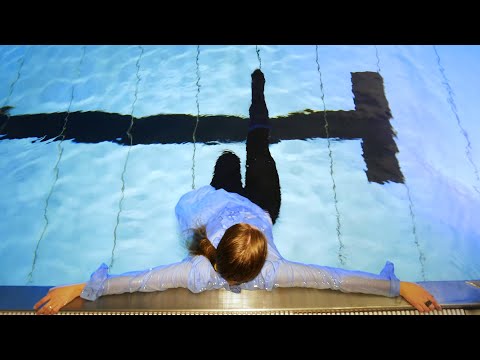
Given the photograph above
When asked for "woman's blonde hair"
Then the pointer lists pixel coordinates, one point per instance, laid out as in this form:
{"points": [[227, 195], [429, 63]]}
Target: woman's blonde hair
{"points": [[240, 254]]}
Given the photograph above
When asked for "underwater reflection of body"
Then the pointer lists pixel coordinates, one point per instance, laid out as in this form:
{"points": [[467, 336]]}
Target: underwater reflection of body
{"points": [[230, 240]]}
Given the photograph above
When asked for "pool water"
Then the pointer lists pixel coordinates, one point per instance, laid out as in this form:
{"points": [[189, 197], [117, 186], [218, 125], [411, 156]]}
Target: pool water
{"points": [[83, 184]]}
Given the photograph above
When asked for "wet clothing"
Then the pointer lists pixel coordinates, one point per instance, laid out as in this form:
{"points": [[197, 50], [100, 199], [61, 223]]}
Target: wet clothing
{"points": [[262, 184], [218, 210]]}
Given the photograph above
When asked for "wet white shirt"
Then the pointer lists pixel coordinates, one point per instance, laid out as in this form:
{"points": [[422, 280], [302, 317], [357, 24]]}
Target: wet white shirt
{"points": [[218, 210]]}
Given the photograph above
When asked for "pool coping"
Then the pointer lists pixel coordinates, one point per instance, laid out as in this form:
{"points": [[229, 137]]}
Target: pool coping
{"points": [[463, 296]]}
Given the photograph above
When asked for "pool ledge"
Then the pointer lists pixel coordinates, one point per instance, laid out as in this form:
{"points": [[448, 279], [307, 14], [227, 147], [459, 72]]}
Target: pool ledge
{"points": [[456, 297]]}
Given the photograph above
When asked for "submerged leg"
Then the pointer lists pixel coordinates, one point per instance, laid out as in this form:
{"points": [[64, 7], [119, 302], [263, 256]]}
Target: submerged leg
{"points": [[226, 174], [262, 184]]}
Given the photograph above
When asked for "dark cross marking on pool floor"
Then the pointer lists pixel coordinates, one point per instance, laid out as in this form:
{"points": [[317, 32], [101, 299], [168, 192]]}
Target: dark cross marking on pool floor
{"points": [[370, 121]]}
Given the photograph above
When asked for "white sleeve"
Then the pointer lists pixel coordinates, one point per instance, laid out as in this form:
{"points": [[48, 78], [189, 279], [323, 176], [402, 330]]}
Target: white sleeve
{"points": [[293, 274], [156, 279]]}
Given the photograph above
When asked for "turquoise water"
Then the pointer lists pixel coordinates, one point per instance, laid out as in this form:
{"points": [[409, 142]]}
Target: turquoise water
{"points": [[68, 206]]}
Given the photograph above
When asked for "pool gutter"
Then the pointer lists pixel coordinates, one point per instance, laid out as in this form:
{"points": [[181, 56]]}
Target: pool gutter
{"points": [[456, 298]]}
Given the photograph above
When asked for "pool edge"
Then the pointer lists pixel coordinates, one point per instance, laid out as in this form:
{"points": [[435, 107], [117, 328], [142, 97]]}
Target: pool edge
{"points": [[454, 296]]}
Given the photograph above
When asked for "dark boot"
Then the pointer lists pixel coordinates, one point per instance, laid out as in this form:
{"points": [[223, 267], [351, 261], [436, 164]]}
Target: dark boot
{"points": [[258, 110], [226, 174]]}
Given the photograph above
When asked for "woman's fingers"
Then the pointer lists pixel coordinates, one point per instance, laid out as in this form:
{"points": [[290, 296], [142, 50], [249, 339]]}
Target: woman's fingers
{"points": [[41, 301], [48, 308], [428, 305], [42, 310], [53, 309], [436, 304], [424, 307], [429, 302], [47, 304]]}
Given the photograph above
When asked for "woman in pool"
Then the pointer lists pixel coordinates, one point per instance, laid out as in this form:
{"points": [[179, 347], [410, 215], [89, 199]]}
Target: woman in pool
{"points": [[231, 242]]}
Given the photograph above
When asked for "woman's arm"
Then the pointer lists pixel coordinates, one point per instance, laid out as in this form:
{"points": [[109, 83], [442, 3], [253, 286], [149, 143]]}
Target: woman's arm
{"points": [[292, 274], [101, 283]]}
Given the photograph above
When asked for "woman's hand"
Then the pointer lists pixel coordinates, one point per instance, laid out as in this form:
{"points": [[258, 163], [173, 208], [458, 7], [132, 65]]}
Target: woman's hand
{"points": [[417, 296], [57, 298]]}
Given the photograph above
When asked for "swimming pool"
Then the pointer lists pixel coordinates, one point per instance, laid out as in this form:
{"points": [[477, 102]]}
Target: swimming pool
{"points": [[92, 166]]}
